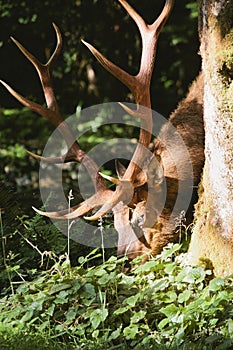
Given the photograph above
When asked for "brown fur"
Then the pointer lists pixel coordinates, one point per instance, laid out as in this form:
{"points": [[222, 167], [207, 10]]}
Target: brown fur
{"points": [[188, 122]]}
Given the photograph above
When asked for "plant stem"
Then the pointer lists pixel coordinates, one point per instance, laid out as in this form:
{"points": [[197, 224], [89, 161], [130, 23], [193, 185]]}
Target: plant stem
{"points": [[4, 253], [70, 197], [102, 237]]}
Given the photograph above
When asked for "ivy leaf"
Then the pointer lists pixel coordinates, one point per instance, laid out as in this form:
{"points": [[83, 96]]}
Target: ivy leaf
{"points": [[170, 311], [59, 287], [163, 323], [115, 334], [216, 284], [70, 315], [137, 316], [184, 296], [98, 316], [27, 316], [131, 301], [130, 332], [50, 310], [170, 252], [121, 310]]}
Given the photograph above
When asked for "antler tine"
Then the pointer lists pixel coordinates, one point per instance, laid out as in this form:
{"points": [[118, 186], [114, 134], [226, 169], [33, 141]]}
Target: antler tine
{"points": [[135, 113], [44, 73], [66, 158], [142, 25], [139, 83], [51, 115], [119, 73], [57, 50], [161, 20], [134, 15], [110, 178], [35, 107], [97, 200], [52, 111], [52, 160], [105, 199]]}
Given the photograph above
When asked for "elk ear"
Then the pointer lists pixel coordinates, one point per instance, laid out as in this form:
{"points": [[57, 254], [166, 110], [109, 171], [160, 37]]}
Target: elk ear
{"points": [[155, 172]]}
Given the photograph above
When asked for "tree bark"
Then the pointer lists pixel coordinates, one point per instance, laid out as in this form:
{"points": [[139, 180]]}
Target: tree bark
{"points": [[212, 239]]}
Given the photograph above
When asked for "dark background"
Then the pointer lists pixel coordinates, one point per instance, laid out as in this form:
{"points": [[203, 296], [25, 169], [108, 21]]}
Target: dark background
{"points": [[107, 26]]}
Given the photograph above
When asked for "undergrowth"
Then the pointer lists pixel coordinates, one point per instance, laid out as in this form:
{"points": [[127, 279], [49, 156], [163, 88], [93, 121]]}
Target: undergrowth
{"points": [[162, 304]]}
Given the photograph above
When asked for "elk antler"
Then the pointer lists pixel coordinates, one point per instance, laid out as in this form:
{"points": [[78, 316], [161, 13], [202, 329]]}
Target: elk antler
{"points": [[52, 113], [139, 86]]}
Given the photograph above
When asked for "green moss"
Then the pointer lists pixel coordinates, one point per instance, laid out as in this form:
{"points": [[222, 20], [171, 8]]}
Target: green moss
{"points": [[208, 247], [206, 264], [225, 60]]}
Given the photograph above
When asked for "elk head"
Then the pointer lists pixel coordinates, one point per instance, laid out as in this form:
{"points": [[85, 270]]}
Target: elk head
{"points": [[134, 209]]}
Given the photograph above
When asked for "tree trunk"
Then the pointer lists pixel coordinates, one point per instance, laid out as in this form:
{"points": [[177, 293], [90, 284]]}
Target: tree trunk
{"points": [[212, 239]]}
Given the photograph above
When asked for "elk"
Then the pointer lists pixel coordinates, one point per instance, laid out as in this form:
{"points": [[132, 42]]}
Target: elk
{"points": [[141, 227]]}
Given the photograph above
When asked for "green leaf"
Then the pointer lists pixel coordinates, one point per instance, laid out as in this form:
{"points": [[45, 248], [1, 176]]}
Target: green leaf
{"points": [[43, 326], [130, 332], [95, 334], [90, 289], [169, 252], [138, 316], [23, 288], [100, 271], [61, 297], [169, 297], [170, 311], [121, 310], [106, 278], [184, 296], [115, 334], [98, 316], [81, 260], [70, 315], [131, 301], [60, 329], [193, 7], [213, 321], [36, 305], [59, 287], [169, 268], [28, 315], [230, 326], [160, 285], [216, 284], [147, 267], [191, 274], [163, 323], [50, 310]]}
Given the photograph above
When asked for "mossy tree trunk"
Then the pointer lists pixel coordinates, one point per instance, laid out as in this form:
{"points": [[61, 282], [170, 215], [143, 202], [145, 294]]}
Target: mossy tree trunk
{"points": [[212, 238]]}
